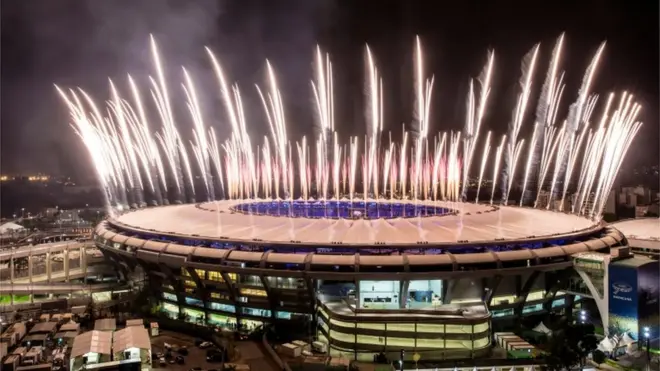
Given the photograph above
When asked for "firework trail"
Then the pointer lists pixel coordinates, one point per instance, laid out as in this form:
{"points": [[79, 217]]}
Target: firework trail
{"points": [[484, 159], [544, 127], [274, 109], [515, 146], [135, 157], [374, 91], [200, 145], [474, 116], [421, 114], [496, 169], [575, 147], [580, 109]]}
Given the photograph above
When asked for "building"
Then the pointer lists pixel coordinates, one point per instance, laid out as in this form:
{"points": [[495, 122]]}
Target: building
{"points": [[90, 348], [135, 322], [105, 324], [634, 196], [132, 342], [14, 334], [40, 333], [402, 268]]}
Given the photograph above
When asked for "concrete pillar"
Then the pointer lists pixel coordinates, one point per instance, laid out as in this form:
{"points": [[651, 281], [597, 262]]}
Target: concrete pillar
{"points": [[404, 285], [30, 268], [83, 261], [11, 270], [66, 264], [49, 268]]}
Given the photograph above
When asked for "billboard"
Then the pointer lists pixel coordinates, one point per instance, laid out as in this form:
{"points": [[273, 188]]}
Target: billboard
{"points": [[624, 297]]}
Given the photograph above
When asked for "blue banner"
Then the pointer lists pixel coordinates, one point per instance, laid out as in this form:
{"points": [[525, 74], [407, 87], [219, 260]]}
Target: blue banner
{"points": [[624, 297]]}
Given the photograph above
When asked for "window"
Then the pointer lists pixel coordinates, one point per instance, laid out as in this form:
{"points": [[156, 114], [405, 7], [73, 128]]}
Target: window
{"points": [[253, 292], [215, 276], [222, 307]]}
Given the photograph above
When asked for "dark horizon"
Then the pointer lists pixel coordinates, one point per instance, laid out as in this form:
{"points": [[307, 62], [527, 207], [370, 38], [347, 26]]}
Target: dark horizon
{"points": [[82, 43]]}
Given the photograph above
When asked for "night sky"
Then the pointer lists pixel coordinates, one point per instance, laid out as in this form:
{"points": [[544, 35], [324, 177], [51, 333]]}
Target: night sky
{"points": [[82, 43]]}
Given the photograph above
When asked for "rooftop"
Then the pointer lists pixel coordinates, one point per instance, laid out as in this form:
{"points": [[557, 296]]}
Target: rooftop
{"points": [[131, 337], [105, 324], [92, 341], [640, 229], [469, 223], [43, 327]]}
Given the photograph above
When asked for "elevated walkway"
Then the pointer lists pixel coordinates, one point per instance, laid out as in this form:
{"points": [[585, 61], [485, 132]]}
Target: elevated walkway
{"points": [[57, 288]]}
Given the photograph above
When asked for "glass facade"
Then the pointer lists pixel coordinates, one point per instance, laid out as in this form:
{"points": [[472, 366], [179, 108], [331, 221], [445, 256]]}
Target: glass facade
{"points": [[401, 330]]}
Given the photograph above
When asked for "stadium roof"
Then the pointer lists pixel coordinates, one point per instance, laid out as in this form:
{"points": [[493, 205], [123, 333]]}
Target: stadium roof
{"points": [[10, 227], [640, 229], [472, 223]]}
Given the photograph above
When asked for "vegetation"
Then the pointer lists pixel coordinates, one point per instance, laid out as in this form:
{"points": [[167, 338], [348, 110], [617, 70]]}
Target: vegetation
{"points": [[616, 330], [570, 346]]}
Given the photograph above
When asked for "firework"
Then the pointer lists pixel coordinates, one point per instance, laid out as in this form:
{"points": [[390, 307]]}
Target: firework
{"points": [[140, 160]]}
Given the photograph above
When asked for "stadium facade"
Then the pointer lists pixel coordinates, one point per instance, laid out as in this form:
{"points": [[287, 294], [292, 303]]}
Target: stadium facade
{"points": [[431, 277]]}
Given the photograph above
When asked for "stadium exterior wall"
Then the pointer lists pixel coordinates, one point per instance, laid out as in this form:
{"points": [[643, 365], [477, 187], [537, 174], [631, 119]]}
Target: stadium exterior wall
{"points": [[227, 276]]}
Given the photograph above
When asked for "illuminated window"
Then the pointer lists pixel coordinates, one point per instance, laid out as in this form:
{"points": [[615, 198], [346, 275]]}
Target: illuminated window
{"points": [[189, 283], [251, 280], [558, 302], [222, 307], [215, 276], [253, 292], [256, 312], [532, 308], [217, 295], [195, 302]]}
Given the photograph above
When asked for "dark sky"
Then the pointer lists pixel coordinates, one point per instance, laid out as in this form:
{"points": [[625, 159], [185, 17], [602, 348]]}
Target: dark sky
{"points": [[83, 42]]}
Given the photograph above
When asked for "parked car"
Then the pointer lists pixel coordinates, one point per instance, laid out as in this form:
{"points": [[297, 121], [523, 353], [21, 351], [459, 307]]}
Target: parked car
{"points": [[205, 345]]}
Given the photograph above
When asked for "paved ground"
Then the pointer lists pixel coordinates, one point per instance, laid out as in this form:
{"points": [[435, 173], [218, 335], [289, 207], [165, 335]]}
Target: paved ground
{"points": [[250, 352]]}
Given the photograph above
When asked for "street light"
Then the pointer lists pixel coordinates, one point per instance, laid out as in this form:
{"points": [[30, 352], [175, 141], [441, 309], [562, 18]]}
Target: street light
{"points": [[583, 316], [647, 336]]}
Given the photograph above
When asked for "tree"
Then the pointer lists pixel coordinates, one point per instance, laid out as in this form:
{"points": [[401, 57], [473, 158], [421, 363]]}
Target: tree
{"points": [[570, 346], [616, 330]]}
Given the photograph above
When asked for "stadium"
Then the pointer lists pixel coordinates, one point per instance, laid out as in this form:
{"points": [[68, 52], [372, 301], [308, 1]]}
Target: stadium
{"points": [[437, 278]]}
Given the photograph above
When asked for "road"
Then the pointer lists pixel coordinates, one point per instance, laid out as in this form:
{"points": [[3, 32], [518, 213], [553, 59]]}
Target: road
{"points": [[251, 353]]}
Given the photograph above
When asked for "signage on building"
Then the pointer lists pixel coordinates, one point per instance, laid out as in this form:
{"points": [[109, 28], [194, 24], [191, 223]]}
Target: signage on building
{"points": [[623, 297]]}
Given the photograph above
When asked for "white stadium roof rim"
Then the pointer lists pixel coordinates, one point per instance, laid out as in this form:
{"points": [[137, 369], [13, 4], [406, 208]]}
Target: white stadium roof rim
{"points": [[473, 224], [640, 228]]}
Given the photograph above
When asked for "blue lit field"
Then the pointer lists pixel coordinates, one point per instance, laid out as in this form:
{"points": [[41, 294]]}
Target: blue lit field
{"points": [[340, 209]]}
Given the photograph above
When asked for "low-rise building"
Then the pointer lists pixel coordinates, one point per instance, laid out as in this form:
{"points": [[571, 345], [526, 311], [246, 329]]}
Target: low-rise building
{"points": [[14, 334], [105, 324], [70, 327], [134, 322], [90, 348], [132, 342], [45, 328]]}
